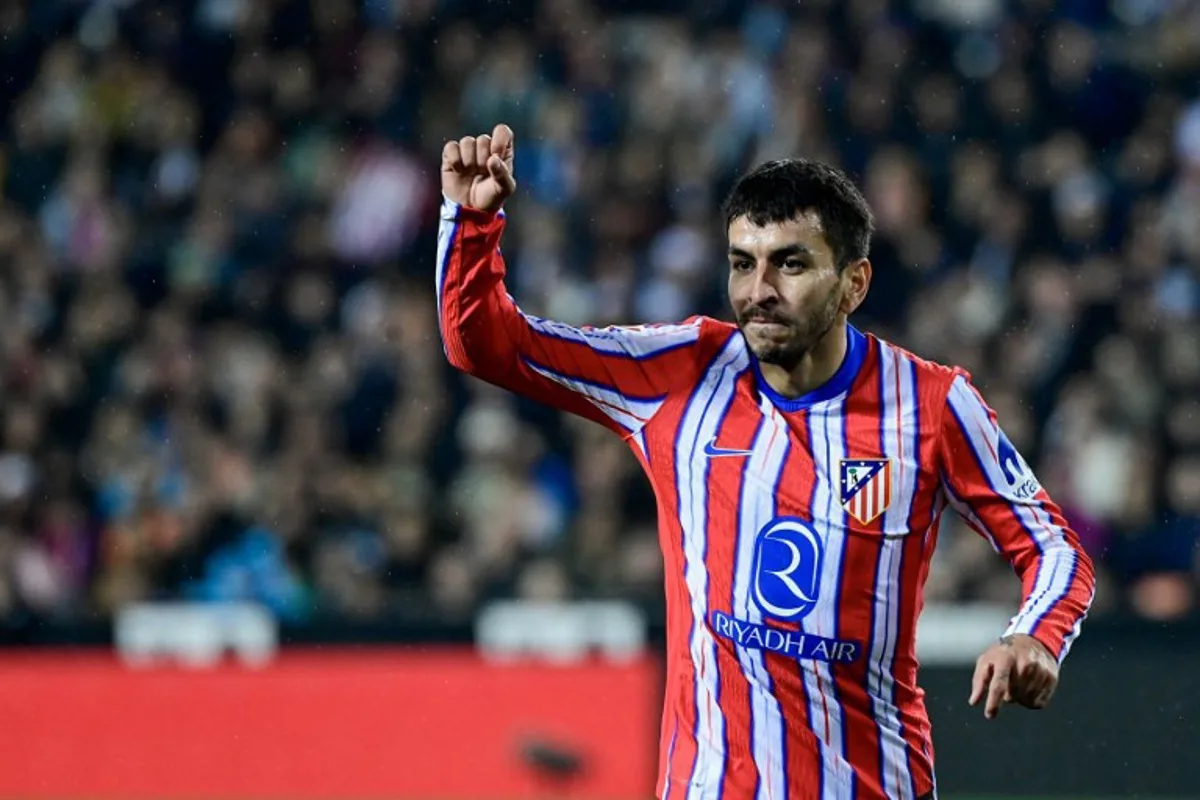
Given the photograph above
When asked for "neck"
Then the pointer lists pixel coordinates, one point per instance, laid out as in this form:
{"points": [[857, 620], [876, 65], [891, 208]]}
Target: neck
{"points": [[816, 367]]}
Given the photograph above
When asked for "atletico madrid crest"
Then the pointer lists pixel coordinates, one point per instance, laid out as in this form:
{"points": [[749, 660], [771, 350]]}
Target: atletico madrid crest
{"points": [[866, 487]]}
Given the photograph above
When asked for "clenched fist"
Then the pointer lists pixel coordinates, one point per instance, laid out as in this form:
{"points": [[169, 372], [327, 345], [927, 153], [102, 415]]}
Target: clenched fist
{"points": [[477, 171], [1017, 670]]}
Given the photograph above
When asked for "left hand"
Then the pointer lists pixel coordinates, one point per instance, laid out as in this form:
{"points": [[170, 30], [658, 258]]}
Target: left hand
{"points": [[1019, 669]]}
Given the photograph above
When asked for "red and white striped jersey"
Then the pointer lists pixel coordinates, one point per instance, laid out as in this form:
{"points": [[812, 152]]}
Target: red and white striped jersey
{"points": [[796, 533]]}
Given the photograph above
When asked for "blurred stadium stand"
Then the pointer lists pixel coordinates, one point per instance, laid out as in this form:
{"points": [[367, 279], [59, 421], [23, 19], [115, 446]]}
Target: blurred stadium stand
{"points": [[220, 371]]}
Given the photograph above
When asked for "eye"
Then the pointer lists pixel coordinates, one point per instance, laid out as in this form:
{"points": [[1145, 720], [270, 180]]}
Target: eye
{"points": [[741, 265], [794, 265]]}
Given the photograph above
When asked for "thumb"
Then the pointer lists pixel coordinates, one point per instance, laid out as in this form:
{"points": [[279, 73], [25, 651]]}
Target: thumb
{"points": [[502, 175]]}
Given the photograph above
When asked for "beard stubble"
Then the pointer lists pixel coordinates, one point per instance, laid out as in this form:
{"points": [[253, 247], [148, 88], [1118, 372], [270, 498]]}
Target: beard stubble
{"points": [[803, 334]]}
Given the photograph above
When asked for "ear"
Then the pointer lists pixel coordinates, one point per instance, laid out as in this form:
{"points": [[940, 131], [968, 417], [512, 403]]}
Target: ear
{"points": [[856, 280]]}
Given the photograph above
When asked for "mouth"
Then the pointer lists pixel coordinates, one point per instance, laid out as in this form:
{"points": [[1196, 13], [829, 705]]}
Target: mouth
{"points": [[765, 325]]}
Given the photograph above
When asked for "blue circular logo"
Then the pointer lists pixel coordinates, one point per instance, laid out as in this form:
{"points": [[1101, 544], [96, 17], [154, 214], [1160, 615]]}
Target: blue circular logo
{"points": [[787, 568]]}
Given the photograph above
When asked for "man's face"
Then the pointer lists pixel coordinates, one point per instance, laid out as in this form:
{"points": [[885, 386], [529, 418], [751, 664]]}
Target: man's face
{"points": [[785, 287]]}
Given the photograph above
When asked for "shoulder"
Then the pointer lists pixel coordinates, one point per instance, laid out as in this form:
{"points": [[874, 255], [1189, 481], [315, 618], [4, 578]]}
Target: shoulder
{"points": [[933, 380], [635, 341], [691, 346], [714, 336], [712, 330], [710, 343]]}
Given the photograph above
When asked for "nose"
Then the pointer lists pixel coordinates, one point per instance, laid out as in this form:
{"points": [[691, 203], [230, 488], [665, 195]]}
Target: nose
{"points": [[762, 290]]}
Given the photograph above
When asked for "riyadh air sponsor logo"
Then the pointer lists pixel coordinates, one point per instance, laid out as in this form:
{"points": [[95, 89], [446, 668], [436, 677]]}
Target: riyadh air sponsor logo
{"points": [[787, 568], [793, 644], [785, 585], [1021, 480]]}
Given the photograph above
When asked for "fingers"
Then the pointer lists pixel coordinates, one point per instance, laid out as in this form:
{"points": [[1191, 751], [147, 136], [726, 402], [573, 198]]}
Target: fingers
{"points": [[1035, 678], [979, 682], [1014, 673], [1044, 696], [471, 153], [469, 160], [1036, 694], [483, 149], [502, 175], [502, 141], [1035, 689], [452, 157], [467, 146], [999, 692]]}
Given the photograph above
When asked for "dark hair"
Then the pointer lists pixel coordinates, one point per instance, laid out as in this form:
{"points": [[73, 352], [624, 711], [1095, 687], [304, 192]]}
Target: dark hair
{"points": [[778, 191]]}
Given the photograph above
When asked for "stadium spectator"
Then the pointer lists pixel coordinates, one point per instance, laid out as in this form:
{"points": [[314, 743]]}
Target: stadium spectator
{"points": [[218, 349]]}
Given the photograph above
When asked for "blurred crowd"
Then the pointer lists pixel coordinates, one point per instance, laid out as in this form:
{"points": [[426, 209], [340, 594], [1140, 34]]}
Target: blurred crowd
{"points": [[219, 361]]}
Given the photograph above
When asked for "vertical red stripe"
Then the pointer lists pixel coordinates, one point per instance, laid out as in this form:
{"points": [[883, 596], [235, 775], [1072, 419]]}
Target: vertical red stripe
{"points": [[677, 745], [909, 697], [725, 477], [860, 564], [917, 554], [794, 499]]}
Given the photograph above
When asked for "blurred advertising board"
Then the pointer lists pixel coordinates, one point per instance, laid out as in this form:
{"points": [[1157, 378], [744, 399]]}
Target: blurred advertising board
{"points": [[523, 702], [173, 715]]}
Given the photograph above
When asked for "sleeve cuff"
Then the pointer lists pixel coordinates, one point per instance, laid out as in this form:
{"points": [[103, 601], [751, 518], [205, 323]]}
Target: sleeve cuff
{"points": [[1053, 644], [456, 212]]}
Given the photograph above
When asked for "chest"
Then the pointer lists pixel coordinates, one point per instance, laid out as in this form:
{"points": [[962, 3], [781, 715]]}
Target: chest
{"points": [[861, 464], [799, 517]]}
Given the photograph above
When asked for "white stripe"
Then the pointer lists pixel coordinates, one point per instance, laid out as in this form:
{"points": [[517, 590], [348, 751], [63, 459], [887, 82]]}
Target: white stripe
{"points": [[1070, 638], [628, 412], [939, 505], [964, 510], [757, 508], [447, 224], [898, 418], [699, 424], [1059, 562], [824, 707], [1058, 557], [635, 341], [975, 424], [639, 441], [666, 792], [940, 502], [812, 689]]}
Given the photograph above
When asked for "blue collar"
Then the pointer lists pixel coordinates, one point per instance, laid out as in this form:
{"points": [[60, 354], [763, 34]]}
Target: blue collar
{"points": [[856, 352]]}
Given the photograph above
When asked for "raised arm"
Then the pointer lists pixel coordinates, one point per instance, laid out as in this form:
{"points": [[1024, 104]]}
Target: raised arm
{"points": [[617, 376]]}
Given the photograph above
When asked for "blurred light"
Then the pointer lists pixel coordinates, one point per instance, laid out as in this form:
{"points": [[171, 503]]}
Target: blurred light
{"points": [[962, 13], [195, 634], [1138, 12], [977, 56], [1187, 135], [560, 632]]}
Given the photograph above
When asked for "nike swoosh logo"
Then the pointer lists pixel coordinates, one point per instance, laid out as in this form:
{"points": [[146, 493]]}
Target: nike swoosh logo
{"points": [[712, 451]]}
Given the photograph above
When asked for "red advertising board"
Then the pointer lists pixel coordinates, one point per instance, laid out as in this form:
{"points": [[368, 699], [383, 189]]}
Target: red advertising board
{"points": [[328, 725]]}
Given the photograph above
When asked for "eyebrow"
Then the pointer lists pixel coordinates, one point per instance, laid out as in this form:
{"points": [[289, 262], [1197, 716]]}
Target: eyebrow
{"points": [[775, 255]]}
